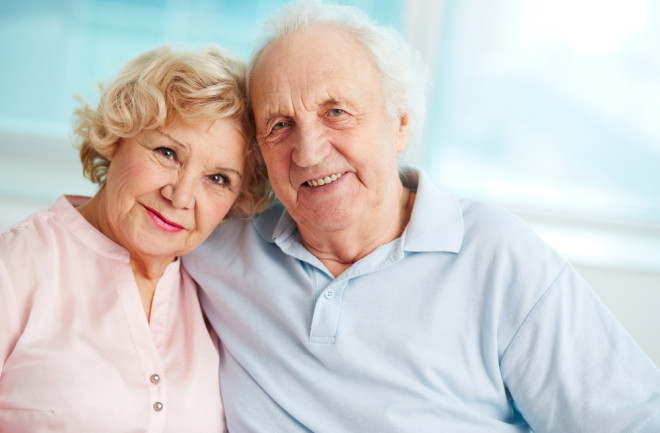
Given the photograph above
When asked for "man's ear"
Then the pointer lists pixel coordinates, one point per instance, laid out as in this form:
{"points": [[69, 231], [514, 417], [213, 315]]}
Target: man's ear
{"points": [[401, 132]]}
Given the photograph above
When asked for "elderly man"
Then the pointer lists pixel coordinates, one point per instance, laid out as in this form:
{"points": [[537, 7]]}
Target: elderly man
{"points": [[368, 300]]}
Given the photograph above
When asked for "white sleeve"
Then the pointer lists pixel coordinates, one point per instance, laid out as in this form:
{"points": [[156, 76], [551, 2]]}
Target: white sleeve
{"points": [[573, 368]]}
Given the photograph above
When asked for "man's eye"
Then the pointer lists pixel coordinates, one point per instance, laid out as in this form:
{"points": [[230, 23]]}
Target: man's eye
{"points": [[336, 112], [167, 153], [279, 125], [220, 179]]}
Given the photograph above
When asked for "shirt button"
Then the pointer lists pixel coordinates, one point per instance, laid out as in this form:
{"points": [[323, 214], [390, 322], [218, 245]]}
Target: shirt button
{"points": [[158, 406], [154, 378], [329, 294]]}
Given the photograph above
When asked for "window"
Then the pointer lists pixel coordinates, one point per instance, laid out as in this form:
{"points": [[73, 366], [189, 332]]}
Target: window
{"points": [[550, 109], [54, 50]]}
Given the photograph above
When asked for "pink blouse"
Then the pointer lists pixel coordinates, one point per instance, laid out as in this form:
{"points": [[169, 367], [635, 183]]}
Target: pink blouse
{"points": [[77, 353]]}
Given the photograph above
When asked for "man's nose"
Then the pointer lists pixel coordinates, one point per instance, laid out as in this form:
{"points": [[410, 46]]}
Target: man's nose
{"points": [[311, 146]]}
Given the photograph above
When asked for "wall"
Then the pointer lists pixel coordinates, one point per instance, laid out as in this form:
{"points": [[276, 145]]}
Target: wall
{"points": [[634, 298]]}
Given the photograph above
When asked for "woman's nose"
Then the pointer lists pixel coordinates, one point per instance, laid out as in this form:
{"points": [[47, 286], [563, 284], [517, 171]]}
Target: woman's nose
{"points": [[180, 192]]}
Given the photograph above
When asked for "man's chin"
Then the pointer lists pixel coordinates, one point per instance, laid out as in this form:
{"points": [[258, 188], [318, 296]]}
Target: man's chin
{"points": [[329, 219]]}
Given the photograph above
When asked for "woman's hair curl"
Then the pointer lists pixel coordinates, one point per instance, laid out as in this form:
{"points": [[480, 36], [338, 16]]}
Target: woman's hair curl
{"points": [[150, 90]]}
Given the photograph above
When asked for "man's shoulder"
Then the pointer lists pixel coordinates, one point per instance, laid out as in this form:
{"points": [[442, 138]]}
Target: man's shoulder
{"points": [[495, 233], [490, 219], [239, 230], [233, 248]]}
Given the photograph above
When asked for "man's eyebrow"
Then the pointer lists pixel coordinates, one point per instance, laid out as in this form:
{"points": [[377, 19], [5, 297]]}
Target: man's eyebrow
{"points": [[332, 101], [272, 115]]}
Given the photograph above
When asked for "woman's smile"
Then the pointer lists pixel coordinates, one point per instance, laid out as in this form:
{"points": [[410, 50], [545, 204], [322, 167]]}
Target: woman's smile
{"points": [[162, 222]]}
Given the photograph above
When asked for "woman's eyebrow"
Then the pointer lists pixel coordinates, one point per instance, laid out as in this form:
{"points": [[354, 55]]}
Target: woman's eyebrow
{"points": [[219, 167], [180, 143], [229, 169]]}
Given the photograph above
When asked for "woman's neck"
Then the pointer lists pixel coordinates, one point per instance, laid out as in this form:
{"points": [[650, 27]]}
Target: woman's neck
{"points": [[147, 270]]}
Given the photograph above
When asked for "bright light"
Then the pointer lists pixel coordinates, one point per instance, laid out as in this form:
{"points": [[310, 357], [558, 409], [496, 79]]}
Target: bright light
{"points": [[579, 248], [502, 187], [587, 25]]}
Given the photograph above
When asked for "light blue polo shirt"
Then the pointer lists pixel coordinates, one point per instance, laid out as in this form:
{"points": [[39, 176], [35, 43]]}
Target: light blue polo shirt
{"points": [[468, 322]]}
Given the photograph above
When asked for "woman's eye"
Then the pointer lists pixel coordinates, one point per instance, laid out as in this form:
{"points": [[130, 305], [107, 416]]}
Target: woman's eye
{"points": [[336, 112], [167, 153], [220, 179]]}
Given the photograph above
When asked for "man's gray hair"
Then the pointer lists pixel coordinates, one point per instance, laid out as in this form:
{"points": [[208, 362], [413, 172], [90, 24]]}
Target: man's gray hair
{"points": [[404, 75]]}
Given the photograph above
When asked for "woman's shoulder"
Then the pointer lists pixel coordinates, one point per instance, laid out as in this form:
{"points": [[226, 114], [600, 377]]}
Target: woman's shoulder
{"points": [[38, 242], [27, 255], [30, 233]]}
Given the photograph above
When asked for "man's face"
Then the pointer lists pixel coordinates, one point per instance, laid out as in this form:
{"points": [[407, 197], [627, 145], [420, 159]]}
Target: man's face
{"points": [[322, 127]]}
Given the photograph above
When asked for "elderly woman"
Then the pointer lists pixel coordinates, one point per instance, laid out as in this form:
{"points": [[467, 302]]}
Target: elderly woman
{"points": [[100, 327]]}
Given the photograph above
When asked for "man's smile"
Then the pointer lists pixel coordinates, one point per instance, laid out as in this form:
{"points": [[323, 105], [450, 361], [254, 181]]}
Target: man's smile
{"points": [[324, 180]]}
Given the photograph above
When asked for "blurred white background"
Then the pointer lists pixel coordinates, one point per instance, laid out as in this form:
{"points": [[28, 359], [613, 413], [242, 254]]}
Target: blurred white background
{"points": [[547, 108]]}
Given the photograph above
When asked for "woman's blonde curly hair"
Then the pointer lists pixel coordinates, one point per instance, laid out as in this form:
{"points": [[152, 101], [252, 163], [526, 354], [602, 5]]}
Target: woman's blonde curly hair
{"points": [[150, 90]]}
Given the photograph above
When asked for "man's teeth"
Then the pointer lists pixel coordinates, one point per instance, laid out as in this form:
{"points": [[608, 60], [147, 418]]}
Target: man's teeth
{"points": [[324, 181]]}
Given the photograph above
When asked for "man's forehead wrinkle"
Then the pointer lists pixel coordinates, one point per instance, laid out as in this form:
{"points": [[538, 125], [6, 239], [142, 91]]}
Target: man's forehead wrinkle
{"points": [[273, 97], [289, 83]]}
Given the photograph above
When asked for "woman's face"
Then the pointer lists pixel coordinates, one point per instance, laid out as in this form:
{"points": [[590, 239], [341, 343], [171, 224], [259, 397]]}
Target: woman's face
{"points": [[168, 188]]}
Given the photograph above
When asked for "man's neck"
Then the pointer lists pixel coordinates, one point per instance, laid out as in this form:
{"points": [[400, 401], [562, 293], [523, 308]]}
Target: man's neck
{"points": [[339, 249]]}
